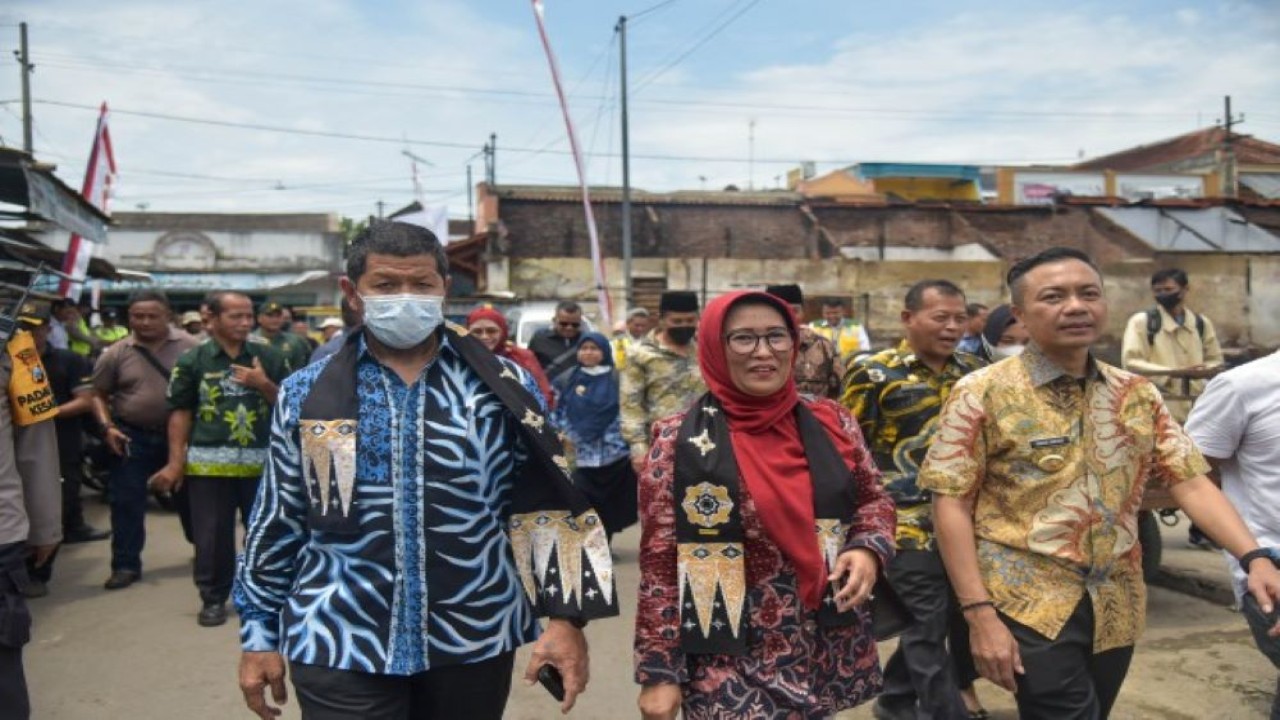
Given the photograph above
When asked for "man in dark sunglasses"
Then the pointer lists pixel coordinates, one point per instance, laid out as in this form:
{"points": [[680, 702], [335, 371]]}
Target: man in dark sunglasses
{"points": [[556, 346]]}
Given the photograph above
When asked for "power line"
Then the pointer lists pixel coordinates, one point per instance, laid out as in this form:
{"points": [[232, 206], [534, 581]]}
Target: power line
{"points": [[468, 146], [694, 48], [266, 128], [651, 9], [771, 108]]}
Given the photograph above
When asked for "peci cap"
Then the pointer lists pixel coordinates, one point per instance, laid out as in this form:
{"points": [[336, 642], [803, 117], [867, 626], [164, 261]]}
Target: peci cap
{"points": [[34, 314], [790, 294], [678, 301]]}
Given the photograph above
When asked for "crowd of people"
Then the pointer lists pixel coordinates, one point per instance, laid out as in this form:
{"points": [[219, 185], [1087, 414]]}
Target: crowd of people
{"points": [[417, 494]]}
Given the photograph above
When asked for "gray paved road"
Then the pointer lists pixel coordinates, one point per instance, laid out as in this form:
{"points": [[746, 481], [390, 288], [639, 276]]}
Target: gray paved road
{"points": [[138, 653]]}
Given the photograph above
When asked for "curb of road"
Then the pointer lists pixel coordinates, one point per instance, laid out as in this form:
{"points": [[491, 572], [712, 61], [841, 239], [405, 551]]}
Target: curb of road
{"points": [[1194, 585]]}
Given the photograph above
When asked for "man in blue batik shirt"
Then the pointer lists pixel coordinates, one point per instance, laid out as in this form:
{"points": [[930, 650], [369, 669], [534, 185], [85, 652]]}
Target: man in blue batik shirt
{"points": [[415, 517]]}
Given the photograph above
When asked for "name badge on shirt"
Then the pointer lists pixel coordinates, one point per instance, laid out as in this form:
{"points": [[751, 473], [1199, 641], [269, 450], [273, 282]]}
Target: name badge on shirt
{"points": [[1050, 442]]}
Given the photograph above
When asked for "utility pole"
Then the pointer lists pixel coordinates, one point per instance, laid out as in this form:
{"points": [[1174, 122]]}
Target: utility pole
{"points": [[626, 166], [380, 204], [24, 59], [471, 208], [751, 154], [1230, 179], [493, 159]]}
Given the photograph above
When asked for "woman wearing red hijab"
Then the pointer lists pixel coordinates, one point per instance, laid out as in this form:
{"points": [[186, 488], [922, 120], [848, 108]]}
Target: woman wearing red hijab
{"points": [[764, 529], [490, 328]]}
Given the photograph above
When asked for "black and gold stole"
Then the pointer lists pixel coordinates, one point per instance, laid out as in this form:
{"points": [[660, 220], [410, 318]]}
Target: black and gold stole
{"points": [[558, 541], [711, 562]]}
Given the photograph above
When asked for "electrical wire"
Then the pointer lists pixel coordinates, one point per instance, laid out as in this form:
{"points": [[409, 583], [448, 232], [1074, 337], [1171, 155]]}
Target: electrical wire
{"points": [[648, 80]]}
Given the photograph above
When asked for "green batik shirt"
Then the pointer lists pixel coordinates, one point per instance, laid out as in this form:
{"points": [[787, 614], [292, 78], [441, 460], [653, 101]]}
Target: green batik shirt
{"points": [[896, 399], [296, 350], [656, 383], [230, 422]]}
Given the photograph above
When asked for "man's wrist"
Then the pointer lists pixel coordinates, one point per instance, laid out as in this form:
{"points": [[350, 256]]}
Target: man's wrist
{"points": [[1248, 561]]}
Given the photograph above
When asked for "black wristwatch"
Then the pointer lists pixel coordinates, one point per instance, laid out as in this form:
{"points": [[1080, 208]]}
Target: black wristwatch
{"points": [[574, 621], [1270, 553]]}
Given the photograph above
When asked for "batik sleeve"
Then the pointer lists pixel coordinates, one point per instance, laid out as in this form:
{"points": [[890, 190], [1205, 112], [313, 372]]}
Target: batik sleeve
{"points": [[183, 392], [277, 531], [957, 459], [875, 518], [1176, 457], [858, 397], [659, 658], [634, 406]]}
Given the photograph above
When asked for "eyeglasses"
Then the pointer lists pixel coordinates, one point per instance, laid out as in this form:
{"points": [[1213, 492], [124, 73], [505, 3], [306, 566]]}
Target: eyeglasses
{"points": [[746, 343], [569, 324]]}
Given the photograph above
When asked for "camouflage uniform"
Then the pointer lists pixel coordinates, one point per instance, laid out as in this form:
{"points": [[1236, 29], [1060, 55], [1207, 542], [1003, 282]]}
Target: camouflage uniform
{"points": [[656, 383]]}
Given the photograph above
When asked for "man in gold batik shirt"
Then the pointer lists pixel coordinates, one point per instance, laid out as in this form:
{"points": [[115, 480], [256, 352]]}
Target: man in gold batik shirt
{"points": [[1037, 469]]}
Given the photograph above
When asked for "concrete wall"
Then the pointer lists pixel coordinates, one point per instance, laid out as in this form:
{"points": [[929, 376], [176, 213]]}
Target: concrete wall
{"points": [[1241, 294], [222, 251]]}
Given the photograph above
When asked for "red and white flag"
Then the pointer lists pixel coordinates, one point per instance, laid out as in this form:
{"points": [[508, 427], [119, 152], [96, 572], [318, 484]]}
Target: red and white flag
{"points": [[597, 261], [98, 178]]}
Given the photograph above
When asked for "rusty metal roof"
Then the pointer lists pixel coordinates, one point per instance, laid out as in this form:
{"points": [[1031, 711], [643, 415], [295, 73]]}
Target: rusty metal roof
{"points": [[1201, 143]]}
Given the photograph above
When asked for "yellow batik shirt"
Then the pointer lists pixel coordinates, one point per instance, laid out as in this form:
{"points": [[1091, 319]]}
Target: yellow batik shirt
{"points": [[896, 399], [1056, 466]]}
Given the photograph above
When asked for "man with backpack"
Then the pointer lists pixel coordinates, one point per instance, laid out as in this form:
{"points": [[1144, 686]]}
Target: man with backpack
{"points": [[1171, 337]]}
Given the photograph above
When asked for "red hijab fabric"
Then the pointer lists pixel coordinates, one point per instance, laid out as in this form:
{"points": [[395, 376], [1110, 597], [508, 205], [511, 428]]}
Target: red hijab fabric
{"points": [[508, 349], [767, 443]]}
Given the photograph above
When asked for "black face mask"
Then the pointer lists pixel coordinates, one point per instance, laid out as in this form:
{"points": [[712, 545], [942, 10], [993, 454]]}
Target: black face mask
{"points": [[1169, 301], [681, 335]]}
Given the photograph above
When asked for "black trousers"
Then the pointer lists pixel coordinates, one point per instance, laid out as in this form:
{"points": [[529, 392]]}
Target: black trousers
{"points": [[475, 691], [214, 503], [1065, 679], [71, 470], [920, 674], [15, 631], [611, 490]]}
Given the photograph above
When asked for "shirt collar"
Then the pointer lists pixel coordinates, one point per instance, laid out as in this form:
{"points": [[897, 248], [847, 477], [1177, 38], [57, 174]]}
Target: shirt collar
{"points": [[910, 359], [1169, 323], [446, 346], [174, 335], [1043, 371]]}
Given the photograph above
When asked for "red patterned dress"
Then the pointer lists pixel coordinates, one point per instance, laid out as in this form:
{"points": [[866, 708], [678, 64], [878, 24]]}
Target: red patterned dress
{"points": [[793, 669]]}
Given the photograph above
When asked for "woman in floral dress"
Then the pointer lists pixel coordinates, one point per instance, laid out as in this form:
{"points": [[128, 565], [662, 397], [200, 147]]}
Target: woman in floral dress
{"points": [[764, 529]]}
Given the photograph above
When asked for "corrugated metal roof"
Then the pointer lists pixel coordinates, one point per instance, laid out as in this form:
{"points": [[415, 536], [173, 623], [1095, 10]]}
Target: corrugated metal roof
{"points": [[1265, 184], [1213, 229]]}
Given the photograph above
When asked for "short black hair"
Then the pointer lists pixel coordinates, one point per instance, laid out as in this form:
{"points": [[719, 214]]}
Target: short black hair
{"points": [[148, 296], [832, 302], [387, 237], [974, 308], [1175, 274], [915, 296], [568, 306], [216, 298], [1054, 254]]}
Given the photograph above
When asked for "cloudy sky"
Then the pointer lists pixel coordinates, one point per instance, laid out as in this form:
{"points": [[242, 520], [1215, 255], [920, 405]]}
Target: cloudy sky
{"points": [[225, 105]]}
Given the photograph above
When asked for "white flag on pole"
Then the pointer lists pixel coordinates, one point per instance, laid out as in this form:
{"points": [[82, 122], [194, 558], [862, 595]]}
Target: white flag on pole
{"points": [[98, 178]]}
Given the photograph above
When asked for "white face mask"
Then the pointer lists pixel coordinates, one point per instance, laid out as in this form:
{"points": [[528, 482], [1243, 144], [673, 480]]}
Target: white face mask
{"points": [[1009, 351], [403, 321]]}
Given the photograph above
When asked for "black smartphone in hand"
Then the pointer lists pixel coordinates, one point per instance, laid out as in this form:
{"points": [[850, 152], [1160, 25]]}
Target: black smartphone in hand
{"points": [[550, 678]]}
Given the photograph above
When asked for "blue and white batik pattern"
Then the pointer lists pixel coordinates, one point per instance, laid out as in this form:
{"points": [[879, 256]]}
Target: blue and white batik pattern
{"points": [[424, 576]]}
